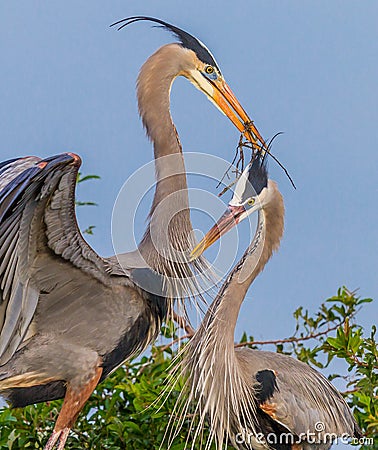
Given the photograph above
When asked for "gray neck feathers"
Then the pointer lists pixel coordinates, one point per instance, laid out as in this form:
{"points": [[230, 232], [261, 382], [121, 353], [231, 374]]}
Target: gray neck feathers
{"points": [[215, 379], [168, 236], [266, 240]]}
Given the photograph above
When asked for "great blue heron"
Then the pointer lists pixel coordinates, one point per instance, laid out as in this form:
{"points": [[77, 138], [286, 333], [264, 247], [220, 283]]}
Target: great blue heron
{"points": [[69, 317], [256, 399]]}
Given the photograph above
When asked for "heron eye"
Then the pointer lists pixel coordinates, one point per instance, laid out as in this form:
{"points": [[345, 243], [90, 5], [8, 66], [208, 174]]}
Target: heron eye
{"points": [[209, 69], [251, 201]]}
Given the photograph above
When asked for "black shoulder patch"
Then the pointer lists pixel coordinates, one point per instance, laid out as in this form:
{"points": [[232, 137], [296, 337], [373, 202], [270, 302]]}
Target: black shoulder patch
{"points": [[186, 39], [134, 339], [137, 336], [149, 280], [267, 385], [23, 396]]}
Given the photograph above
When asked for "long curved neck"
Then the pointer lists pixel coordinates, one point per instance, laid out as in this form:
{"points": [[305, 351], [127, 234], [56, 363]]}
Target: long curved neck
{"points": [[216, 333], [171, 197], [225, 308]]}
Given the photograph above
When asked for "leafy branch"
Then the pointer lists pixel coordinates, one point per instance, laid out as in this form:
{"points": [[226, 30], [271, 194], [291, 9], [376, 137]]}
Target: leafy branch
{"points": [[289, 339]]}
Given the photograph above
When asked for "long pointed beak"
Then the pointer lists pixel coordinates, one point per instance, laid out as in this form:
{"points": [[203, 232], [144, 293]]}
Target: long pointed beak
{"points": [[229, 104], [228, 220]]}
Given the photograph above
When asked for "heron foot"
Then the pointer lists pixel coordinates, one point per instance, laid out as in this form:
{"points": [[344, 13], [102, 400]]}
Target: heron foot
{"points": [[59, 438], [62, 438]]}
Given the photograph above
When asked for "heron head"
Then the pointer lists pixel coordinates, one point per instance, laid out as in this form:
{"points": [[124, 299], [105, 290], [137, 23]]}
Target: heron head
{"points": [[204, 73], [252, 193]]}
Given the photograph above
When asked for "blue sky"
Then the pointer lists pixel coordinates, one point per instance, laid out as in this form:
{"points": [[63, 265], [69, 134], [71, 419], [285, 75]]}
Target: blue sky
{"points": [[306, 68]]}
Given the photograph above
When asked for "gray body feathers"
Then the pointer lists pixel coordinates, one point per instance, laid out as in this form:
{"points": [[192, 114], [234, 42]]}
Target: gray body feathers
{"points": [[57, 295]]}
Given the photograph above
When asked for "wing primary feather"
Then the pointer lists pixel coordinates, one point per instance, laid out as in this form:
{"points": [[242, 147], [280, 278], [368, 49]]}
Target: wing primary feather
{"points": [[12, 316], [11, 193], [3, 164], [7, 280], [6, 237], [30, 299]]}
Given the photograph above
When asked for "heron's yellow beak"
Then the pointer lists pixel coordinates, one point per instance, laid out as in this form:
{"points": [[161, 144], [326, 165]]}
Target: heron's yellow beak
{"points": [[228, 220], [219, 92], [229, 104]]}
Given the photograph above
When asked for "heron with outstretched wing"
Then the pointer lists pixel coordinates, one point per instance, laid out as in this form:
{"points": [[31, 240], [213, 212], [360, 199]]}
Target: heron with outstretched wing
{"points": [[69, 317]]}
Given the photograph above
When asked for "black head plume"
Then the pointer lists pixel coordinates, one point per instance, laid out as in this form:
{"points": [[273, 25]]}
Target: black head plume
{"points": [[258, 173], [253, 180], [186, 40]]}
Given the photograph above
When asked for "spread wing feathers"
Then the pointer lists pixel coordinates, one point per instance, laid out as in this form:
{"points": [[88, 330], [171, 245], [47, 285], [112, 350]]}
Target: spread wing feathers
{"points": [[63, 234], [302, 396], [37, 212], [10, 169]]}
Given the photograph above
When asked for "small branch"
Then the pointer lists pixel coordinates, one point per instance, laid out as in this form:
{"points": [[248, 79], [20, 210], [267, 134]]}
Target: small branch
{"points": [[351, 391], [184, 324], [291, 339], [359, 363], [175, 341]]}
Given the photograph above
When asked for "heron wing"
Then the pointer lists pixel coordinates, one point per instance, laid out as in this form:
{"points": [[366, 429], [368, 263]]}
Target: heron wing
{"points": [[299, 398], [37, 215]]}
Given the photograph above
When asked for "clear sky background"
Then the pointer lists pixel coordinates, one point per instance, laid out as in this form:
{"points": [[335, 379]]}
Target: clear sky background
{"points": [[309, 69]]}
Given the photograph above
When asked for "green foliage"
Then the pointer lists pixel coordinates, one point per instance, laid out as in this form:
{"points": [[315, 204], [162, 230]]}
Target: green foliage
{"points": [[351, 344], [130, 409], [89, 230], [81, 179]]}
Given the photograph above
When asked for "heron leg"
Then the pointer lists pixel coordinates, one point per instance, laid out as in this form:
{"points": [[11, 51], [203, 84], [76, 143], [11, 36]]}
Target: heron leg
{"points": [[73, 403]]}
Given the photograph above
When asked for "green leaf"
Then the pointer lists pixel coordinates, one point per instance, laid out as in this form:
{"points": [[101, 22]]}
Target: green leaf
{"points": [[78, 203], [80, 179], [335, 342]]}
